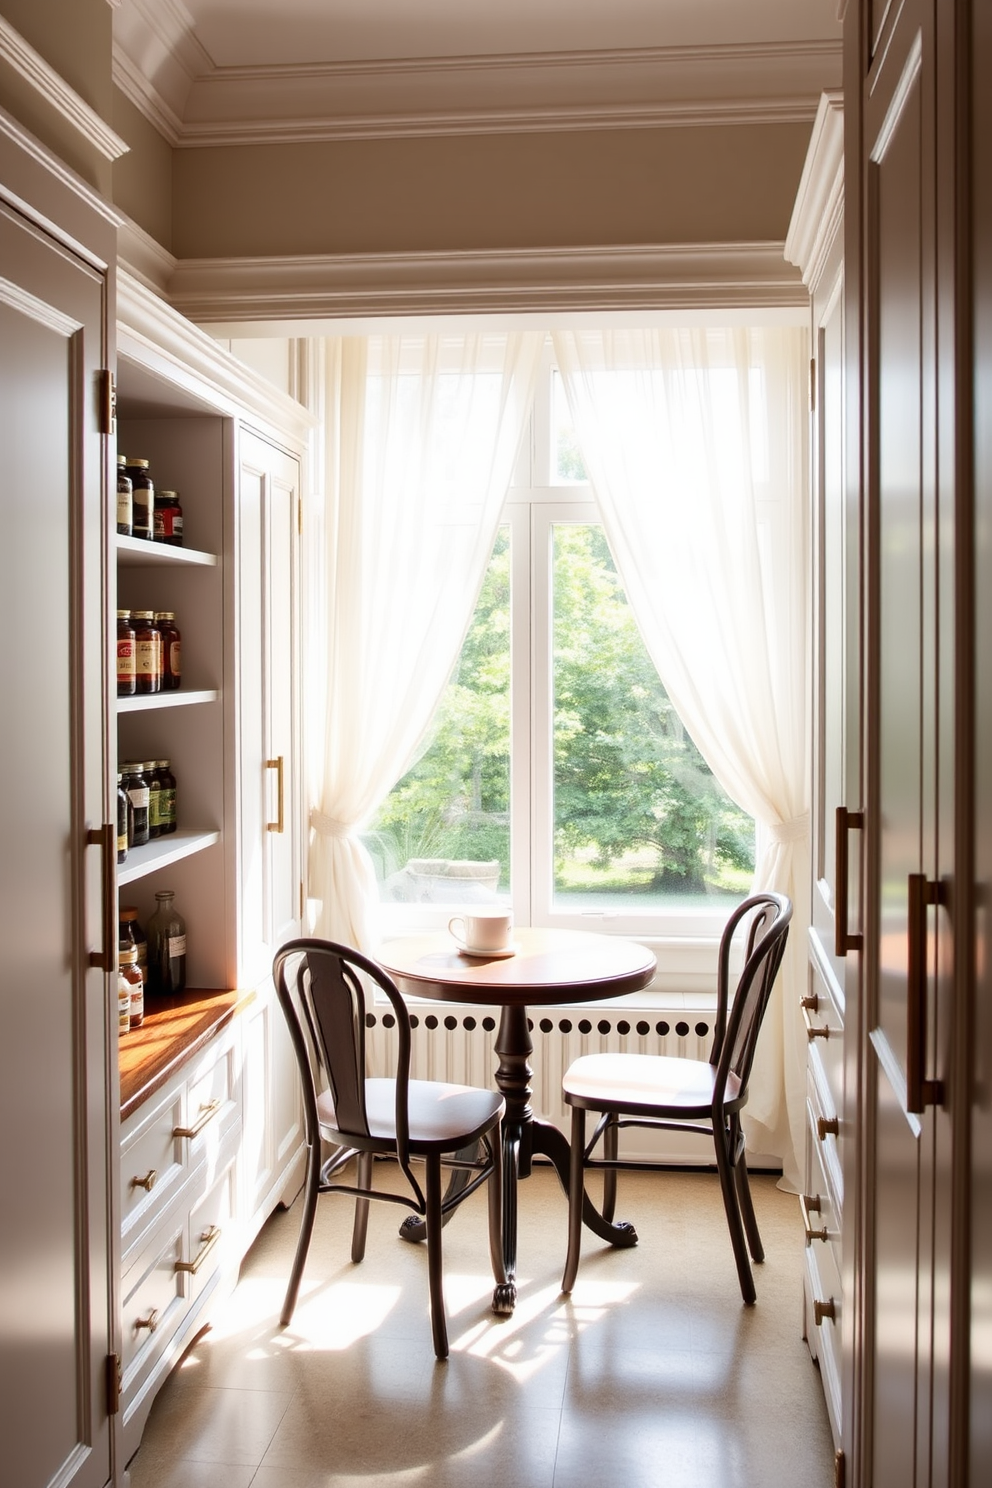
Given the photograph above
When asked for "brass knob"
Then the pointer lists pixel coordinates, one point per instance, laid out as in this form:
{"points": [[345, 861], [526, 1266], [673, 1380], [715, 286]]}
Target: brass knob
{"points": [[150, 1322], [827, 1126], [147, 1183], [823, 1310], [811, 1002]]}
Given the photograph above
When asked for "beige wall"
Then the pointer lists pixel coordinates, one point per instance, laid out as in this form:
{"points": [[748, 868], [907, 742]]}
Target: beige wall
{"points": [[489, 192], [143, 177], [74, 37]]}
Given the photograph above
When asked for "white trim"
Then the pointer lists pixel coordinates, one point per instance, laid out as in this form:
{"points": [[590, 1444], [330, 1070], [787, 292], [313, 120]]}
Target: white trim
{"points": [[147, 99], [667, 276], [73, 225], [25, 303], [46, 82], [819, 204], [144, 258]]}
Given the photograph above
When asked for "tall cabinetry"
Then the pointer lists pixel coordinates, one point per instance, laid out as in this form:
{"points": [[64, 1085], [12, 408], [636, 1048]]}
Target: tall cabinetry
{"points": [[815, 244]]}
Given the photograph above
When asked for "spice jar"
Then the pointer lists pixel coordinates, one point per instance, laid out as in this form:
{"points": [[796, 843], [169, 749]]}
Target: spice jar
{"points": [[142, 498], [123, 815], [129, 973], [147, 651], [172, 649], [125, 499], [126, 659], [166, 797], [168, 518], [166, 931], [131, 933], [150, 771], [137, 789]]}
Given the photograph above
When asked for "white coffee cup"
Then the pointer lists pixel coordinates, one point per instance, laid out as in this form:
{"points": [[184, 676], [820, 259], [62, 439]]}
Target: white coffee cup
{"points": [[480, 932]]}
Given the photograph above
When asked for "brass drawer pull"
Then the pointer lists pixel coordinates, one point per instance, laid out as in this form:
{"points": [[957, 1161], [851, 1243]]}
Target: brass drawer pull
{"points": [[812, 1002], [827, 1126], [148, 1182], [150, 1322], [811, 1204], [279, 825], [812, 1031], [207, 1113], [823, 1310], [208, 1240]]}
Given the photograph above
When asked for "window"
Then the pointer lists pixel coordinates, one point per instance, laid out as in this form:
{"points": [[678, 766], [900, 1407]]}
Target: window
{"points": [[558, 776]]}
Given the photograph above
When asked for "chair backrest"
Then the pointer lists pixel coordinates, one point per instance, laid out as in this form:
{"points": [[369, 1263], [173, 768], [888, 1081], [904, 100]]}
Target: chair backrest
{"points": [[323, 997], [763, 921]]}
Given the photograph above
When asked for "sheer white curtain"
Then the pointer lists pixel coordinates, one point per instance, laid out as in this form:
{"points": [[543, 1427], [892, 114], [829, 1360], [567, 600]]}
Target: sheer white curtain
{"points": [[421, 436], [695, 443]]}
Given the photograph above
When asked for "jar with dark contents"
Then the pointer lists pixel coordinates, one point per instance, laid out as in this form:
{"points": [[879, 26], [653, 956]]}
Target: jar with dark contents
{"points": [[142, 498], [131, 933], [123, 817], [137, 789], [125, 499], [166, 797], [168, 518], [150, 771], [127, 684], [130, 989], [147, 651], [172, 653], [166, 931]]}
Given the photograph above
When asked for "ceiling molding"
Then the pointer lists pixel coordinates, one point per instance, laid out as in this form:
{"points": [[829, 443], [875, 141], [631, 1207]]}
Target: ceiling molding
{"points": [[56, 92], [143, 258], [197, 104], [682, 276], [819, 202]]}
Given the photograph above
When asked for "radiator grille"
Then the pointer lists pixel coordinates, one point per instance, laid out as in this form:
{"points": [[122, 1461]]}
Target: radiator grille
{"points": [[456, 1043]]}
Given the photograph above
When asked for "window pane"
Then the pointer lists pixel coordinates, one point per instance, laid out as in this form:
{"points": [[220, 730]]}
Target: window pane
{"points": [[566, 455], [639, 821], [442, 836]]}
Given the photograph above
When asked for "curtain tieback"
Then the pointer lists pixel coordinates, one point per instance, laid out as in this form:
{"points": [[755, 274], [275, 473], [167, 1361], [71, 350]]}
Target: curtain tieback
{"points": [[328, 826], [794, 830]]}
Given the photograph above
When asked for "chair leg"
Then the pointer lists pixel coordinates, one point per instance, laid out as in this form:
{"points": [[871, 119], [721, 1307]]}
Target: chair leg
{"points": [[311, 1192], [361, 1228], [576, 1170], [729, 1190], [611, 1147], [505, 1293], [433, 1220], [747, 1210]]}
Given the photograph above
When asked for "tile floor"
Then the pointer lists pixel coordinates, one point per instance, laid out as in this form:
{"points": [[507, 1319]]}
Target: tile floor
{"points": [[652, 1375]]}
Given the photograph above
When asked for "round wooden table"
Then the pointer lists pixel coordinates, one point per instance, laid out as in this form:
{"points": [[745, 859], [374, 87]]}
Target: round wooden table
{"points": [[549, 967]]}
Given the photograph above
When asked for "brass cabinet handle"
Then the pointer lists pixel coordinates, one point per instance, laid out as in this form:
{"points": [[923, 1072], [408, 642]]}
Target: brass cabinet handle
{"points": [[811, 1002], [827, 1126], [279, 824], [844, 822], [147, 1182], [823, 1310], [813, 1030], [150, 1322], [807, 1204], [105, 838], [208, 1240], [207, 1113], [920, 1092]]}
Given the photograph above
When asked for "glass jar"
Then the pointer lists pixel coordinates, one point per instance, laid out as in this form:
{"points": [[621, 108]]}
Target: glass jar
{"points": [[125, 499], [130, 989], [150, 771], [142, 498], [166, 797], [166, 931], [147, 651], [126, 656], [131, 933], [123, 814], [137, 790], [172, 649], [168, 518]]}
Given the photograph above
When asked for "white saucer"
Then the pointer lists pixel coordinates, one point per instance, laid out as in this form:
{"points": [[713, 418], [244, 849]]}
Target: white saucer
{"points": [[510, 950]]}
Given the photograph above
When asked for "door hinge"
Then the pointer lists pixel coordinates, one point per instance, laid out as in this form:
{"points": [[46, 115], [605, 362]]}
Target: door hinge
{"points": [[108, 402], [840, 1469], [114, 1381], [812, 384]]}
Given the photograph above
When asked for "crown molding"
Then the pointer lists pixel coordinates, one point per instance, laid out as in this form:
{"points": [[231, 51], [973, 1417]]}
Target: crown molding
{"points": [[56, 92], [819, 207], [682, 276], [156, 59], [143, 258], [38, 184], [196, 104]]}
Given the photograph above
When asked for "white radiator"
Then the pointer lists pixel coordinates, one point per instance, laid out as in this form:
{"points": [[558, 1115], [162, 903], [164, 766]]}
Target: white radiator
{"points": [[455, 1042]]}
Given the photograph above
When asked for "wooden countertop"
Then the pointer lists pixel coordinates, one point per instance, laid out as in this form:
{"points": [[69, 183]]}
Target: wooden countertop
{"points": [[175, 1028]]}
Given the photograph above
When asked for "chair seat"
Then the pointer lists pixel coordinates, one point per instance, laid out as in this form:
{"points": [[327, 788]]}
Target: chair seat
{"points": [[442, 1117], [646, 1084]]}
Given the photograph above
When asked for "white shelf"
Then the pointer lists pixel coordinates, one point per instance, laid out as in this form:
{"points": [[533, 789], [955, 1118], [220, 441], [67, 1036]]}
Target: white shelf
{"points": [[161, 852], [138, 552], [152, 700]]}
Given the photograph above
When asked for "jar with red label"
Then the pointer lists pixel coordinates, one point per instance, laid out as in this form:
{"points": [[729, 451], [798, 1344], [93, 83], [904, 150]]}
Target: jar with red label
{"points": [[168, 518], [127, 684], [147, 651], [172, 649]]}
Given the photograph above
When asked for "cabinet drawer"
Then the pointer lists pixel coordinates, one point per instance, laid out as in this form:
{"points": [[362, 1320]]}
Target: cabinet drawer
{"points": [[212, 1232], [824, 1022], [153, 1160], [825, 1137], [211, 1100], [154, 1300]]}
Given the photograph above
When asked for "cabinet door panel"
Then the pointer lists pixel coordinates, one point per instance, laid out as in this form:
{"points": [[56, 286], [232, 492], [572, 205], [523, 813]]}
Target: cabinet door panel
{"points": [[55, 1245]]}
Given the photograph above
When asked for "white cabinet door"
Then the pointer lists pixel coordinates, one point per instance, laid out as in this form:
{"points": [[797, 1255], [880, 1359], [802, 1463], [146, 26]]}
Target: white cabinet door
{"points": [[56, 1251], [268, 605]]}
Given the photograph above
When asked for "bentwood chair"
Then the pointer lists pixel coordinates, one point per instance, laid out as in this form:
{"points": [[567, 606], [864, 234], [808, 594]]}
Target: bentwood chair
{"points": [[322, 988], [647, 1090]]}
